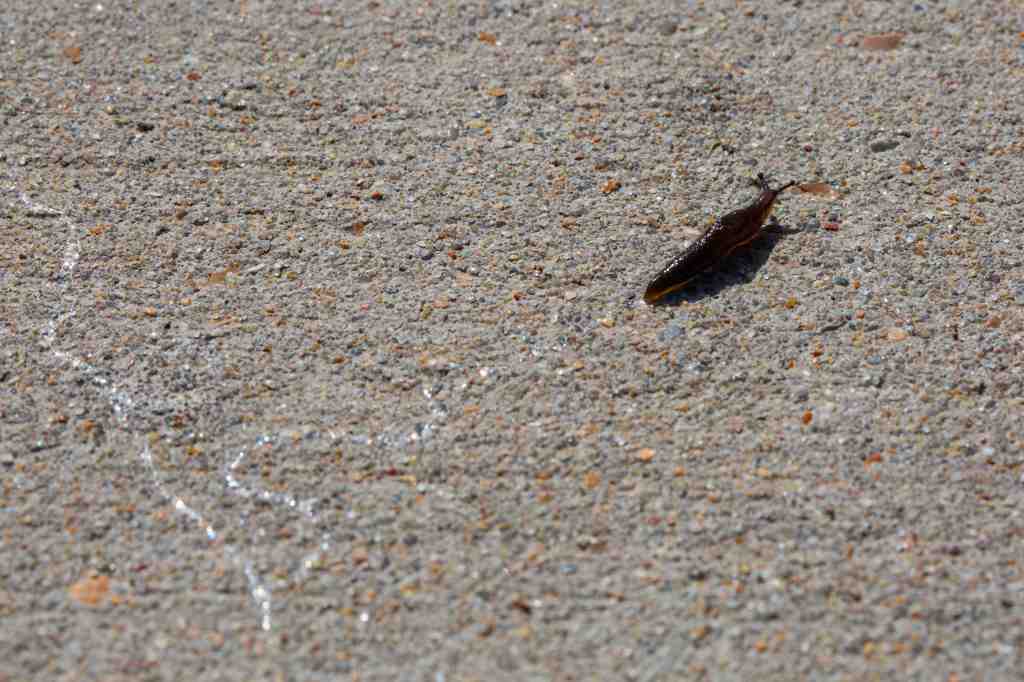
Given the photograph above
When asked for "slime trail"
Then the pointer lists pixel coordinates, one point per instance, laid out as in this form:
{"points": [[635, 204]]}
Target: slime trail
{"points": [[125, 414]]}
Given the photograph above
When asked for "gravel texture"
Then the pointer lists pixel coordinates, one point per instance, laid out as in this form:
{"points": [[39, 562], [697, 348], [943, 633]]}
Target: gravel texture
{"points": [[324, 356]]}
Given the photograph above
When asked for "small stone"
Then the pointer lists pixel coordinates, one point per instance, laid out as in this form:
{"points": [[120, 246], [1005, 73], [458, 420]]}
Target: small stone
{"points": [[884, 145], [883, 41], [645, 455], [840, 281], [872, 381], [235, 101], [896, 334], [667, 28], [671, 332]]}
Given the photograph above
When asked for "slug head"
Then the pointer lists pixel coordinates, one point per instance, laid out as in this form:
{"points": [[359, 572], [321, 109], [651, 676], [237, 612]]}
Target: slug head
{"points": [[762, 182], [766, 199]]}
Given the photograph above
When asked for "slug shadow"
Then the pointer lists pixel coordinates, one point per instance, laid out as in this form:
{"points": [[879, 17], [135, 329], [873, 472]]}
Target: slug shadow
{"points": [[737, 268]]}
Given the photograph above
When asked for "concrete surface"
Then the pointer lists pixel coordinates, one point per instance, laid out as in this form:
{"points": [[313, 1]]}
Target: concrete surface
{"points": [[323, 354]]}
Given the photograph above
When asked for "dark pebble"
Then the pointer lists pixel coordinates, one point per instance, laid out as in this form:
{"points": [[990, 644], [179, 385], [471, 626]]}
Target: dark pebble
{"points": [[667, 28]]}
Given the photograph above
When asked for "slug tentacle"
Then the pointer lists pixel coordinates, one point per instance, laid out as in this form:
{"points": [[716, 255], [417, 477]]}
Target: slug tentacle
{"points": [[728, 233]]}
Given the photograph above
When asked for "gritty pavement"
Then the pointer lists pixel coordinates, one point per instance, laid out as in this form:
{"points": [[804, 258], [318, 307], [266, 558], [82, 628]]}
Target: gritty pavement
{"points": [[323, 354]]}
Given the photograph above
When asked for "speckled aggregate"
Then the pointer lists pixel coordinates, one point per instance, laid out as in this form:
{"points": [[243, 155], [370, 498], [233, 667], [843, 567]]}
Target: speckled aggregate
{"points": [[326, 317]]}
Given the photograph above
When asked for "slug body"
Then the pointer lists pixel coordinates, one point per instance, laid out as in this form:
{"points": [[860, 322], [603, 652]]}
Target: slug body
{"points": [[728, 233]]}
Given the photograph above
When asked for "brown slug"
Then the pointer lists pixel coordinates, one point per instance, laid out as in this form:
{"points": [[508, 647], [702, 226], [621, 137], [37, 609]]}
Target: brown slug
{"points": [[728, 233]]}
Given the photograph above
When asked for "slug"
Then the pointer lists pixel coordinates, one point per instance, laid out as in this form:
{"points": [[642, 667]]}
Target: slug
{"points": [[728, 233]]}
